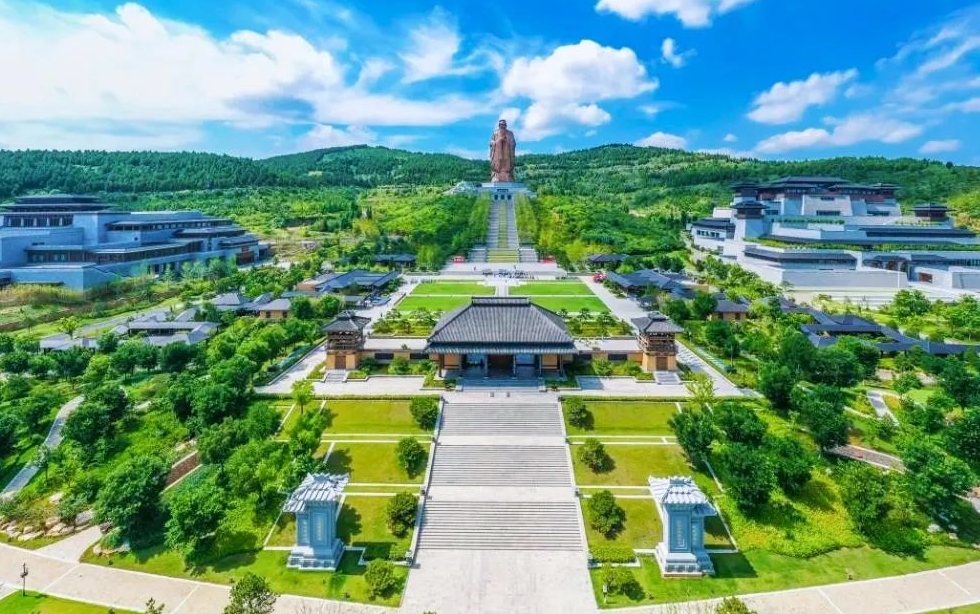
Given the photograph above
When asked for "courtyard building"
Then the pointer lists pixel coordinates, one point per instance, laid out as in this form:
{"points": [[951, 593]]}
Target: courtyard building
{"points": [[656, 335], [345, 340], [501, 336], [828, 232], [80, 242]]}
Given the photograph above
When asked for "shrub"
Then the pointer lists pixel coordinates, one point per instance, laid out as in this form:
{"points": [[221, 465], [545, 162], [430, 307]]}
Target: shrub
{"points": [[401, 512], [612, 554], [594, 456], [380, 577], [399, 366], [411, 456], [907, 382], [733, 605], [605, 516], [579, 415], [425, 411], [621, 581], [750, 476], [602, 368]]}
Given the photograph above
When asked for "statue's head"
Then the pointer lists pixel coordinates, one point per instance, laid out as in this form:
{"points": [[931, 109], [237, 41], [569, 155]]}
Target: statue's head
{"points": [[502, 124]]}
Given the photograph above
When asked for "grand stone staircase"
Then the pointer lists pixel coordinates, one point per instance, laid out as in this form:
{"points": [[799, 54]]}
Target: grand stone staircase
{"points": [[501, 478], [501, 419]]}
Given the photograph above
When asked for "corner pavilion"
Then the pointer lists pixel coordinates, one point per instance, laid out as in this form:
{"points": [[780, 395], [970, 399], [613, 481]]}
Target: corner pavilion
{"points": [[501, 336]]}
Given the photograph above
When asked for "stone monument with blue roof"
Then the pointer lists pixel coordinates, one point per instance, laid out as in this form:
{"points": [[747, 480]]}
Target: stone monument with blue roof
{"points": [[316, 503], [683, 508]]}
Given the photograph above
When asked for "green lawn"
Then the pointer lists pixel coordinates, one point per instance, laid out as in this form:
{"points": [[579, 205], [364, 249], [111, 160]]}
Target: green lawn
{"points": [[552, 288], [633, 464], [571, 304], [921, 395], [362, 522], [369, 462], [36, 603], [432, 303], [642, 528], [760, 571], [369, 416], [967, 609], [271, 565], [453, 288], [626, 418]]}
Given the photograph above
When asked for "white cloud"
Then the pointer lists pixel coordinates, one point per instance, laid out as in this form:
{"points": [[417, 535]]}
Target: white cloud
{"points": [[663, 139], [931, 147], [565, 86], [669, 54], [849, 131], [323, 135], [691, 13], [730, 138], [651, 109], [470, 154], [142, 74], [433, 45], [96, 135], [965, 106], [543, 119], [786, 102], [949, 57], [582, 72]]}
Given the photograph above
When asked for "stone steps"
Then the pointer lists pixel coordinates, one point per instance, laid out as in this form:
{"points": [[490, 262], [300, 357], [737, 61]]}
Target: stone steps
{"points": [[500, 525], [505, 465], [666, 377], [335, 377], [501, 419]]}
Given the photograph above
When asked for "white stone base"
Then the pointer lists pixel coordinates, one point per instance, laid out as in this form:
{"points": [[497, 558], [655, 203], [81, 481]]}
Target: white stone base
{"points": [[683, 563], [319, 559]]}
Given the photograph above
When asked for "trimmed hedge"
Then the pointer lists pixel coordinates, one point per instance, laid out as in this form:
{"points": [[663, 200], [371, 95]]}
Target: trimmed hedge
{"points": [[612, 554]]}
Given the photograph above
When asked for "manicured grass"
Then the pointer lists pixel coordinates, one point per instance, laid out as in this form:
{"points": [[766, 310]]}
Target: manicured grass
{"points": [[967, 609], [369, 462], [453, 288], [552, 288], [921, 395], [760, 571], [626, 418], [642, 528], [571, 304], [362, 522], [271, 565], [370, 416], [432, 303], [633, 464], [36, 603]]}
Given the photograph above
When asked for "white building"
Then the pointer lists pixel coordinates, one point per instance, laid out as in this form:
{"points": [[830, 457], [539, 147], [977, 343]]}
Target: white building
{"points": [[827, 232]]}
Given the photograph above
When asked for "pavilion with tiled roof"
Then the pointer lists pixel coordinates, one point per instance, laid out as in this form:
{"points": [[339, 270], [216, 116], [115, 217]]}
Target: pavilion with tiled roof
{"points": [[501, 335]]}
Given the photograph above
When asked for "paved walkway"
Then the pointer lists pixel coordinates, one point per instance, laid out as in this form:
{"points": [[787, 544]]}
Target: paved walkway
{"points": [[921, 592], [51, 441], [877, 400]]}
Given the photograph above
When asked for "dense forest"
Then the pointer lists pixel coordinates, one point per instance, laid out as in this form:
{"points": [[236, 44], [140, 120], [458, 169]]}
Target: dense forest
{"points": [[616, 197]]}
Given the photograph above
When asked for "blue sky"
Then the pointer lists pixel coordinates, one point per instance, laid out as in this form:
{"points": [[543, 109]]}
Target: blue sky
{"points": [[763, 78]]}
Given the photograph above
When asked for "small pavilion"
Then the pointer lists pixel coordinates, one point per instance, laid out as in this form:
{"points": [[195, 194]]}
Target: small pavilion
{"points": [[316, 503], [345, 339], [655, 336], [502, 336], [683, 508]]}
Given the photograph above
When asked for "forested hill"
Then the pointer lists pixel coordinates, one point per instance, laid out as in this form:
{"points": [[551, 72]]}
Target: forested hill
{"points": [[635, 177], [364, 166]]}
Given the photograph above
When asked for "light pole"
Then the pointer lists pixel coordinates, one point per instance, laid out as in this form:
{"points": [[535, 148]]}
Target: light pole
{"points": [[23, 580]]}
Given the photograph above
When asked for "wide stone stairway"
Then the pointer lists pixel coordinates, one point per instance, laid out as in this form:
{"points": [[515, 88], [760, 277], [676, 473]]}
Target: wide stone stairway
{"points": [[501, 515]]}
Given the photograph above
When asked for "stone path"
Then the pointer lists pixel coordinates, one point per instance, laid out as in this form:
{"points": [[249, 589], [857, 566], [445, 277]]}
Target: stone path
{"points": [[877, 400], [51, 441], [872, 457], [501, 518]]}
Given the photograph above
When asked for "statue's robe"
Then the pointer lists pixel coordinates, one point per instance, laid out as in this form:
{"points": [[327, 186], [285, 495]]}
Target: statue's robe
{"points": [[502, 147]]}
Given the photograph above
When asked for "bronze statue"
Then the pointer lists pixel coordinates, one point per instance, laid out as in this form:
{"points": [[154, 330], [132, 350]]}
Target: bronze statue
{"points": [[502, 146]]}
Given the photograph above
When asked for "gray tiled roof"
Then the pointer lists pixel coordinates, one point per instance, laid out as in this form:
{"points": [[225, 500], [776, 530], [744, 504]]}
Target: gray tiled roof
{"points": [[681, 491], [346, 321], [316, 488], [501, 321], [657, 322]]}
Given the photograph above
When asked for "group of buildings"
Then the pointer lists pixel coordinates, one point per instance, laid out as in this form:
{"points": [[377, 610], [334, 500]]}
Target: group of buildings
{"points": [[80, 242], [828, 232], [501, 336]]}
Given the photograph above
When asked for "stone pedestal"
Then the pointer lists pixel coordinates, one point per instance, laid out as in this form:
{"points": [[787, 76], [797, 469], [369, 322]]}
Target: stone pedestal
{"points": [[506, 192]]}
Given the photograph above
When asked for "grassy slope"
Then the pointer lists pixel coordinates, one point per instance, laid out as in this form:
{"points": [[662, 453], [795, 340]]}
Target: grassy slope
{"points": [[626, 418], [36, 603]]}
